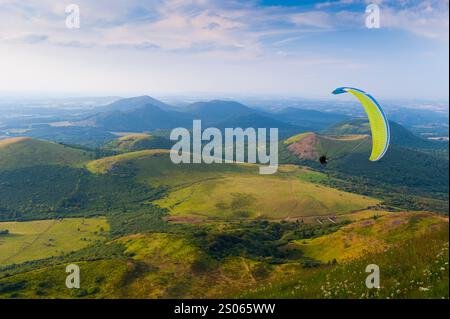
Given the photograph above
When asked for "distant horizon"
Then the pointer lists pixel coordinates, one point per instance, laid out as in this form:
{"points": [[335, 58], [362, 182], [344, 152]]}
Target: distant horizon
{"points": [[201, 96]]}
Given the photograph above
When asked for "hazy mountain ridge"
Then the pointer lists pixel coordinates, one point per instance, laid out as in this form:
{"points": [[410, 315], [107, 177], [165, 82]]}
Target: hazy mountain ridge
{"points": [[144, 114], [399, 134], [132, 103], [138, 118], [308, 118], [215, 111]]}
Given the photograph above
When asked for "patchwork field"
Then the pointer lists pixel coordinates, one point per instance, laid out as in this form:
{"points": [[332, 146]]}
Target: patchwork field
{"points": [[33, 240]]}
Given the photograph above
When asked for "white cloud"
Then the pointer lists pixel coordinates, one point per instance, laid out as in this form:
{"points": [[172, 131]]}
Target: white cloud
{"points": [[318, 19], [428, 19], [214, 25], [328, 4], [196, 44]]}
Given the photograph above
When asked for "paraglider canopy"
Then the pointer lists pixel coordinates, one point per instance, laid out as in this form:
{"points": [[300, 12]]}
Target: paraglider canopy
{"points": [[379, 124]]}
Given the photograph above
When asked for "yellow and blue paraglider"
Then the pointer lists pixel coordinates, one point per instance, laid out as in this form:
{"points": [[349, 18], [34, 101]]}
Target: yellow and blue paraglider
{"points": [[379, 124]]}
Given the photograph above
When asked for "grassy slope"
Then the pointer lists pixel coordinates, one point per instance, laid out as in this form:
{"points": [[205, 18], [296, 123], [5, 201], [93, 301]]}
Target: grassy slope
{"points": [[411, 268], [334, 147], [404, 177], [100, 277], [339, 147], [232, 191], [41, 239], [256, 196], [176, 268], [158, 266], [161, 171], [138, 141], [170, 265], [296, 138], [375, 234], [103, 165], [41, 180], [26, 152], [167, 265]]}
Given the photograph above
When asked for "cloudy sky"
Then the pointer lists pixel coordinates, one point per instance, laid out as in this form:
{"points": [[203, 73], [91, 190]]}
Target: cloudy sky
{"points": [[266, 47]]}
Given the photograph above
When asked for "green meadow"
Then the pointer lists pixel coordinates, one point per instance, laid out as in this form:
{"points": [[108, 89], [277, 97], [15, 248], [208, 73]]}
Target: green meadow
{"points": [[226, 191], [237, 196], [26, 152], [40, 239], [369, 234], [159, 230], [414, 268], [413, 258]]}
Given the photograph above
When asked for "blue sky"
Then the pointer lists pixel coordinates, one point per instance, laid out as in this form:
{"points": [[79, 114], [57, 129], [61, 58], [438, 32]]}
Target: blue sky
{"points": [[267, 47]]}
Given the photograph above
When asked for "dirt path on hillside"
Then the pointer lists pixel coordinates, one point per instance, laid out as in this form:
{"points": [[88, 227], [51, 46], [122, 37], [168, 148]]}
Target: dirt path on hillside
{"points": [[247, 268], [314, 217]]}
